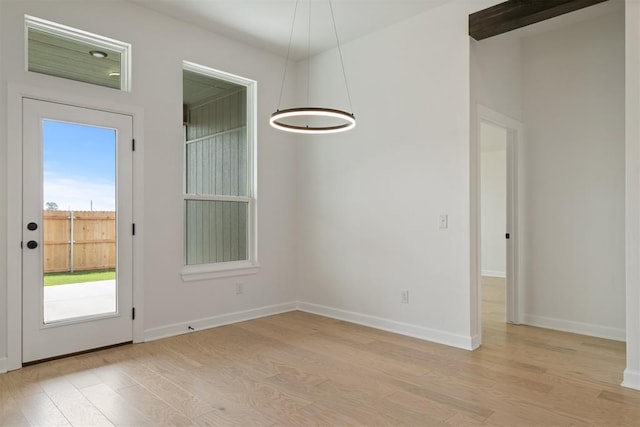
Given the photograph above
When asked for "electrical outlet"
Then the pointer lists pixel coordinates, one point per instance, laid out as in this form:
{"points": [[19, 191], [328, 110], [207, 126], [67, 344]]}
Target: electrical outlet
{"points": [[239, 288], [404, 296], [444, 221]]}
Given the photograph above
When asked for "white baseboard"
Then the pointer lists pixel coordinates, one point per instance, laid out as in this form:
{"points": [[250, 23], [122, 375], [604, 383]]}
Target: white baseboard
{"points": [[575, 327], [3, 365], [631, 379], [476, 340], [212, 322], [493, 273], [427, 334], [433, 335]]}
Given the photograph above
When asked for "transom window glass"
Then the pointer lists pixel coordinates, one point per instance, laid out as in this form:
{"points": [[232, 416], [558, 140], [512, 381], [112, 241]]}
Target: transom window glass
{"points": [[219, 190], [61, 51]]}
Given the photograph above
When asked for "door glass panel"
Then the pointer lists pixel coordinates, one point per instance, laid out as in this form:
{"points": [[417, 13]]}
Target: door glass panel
{"points": [[79, 221]]}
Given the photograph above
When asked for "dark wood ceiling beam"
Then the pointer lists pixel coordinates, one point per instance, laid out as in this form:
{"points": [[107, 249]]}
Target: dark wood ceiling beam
{"points": [[514, 14]]}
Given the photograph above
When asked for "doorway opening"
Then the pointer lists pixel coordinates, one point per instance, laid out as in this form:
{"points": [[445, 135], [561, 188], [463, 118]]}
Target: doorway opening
{"points": [[496, 200]]}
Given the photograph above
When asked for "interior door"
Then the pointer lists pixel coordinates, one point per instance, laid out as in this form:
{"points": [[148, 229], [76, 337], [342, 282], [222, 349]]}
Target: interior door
{"points": [[77, 229]]}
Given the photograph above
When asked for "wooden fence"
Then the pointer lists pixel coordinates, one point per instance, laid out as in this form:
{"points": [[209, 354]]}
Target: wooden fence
{"points": [[79, 241]]}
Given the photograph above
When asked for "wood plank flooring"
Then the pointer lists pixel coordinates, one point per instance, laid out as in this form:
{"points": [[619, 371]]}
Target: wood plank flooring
{"points": [[298, 369]]}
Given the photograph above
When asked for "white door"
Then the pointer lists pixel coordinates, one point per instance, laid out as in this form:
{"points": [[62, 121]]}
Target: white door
{"points": [[512, 300], [77, 229]]}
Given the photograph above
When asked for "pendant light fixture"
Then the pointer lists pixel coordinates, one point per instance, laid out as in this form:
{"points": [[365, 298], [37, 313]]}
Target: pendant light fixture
{"points": [[313, 120]]}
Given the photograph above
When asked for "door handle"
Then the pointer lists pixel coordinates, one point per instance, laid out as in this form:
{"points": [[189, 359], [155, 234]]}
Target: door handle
{"points": [[32, 244]]}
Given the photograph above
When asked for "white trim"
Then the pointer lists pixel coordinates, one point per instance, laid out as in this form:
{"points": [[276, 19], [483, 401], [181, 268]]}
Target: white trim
{"points": [[476, 340], [427, 334], [494, 273], [217, 74], [215, 321], [514, 301], [631, 379], [191, 273], [617, 334], [14, 227], [3, 365], [15, 94], [497, 118], [138, 216], [215, 135], [415, 331], [213, 198], [124, 49], [632, 192]]}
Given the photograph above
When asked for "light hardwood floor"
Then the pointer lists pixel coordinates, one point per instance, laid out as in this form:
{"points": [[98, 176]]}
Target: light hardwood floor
{"points": [[298, 369]]}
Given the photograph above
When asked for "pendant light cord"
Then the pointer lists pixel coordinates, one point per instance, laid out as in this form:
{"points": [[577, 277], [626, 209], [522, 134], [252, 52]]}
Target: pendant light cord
{"points": [[278, 118], [344, 74], [309, 55], [286, 64]]}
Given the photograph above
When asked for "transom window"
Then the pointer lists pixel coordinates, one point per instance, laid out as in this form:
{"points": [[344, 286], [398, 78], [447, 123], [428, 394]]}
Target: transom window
{"points": [[73, 54], [219, 195]]}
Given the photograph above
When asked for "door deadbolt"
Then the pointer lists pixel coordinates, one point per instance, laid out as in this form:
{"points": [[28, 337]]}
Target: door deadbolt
{"points": [[32, 244], [32, 226]]}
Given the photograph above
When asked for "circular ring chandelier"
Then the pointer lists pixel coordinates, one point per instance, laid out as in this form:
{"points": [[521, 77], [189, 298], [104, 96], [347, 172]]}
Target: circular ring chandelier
{"points": [[348, 120], [341, 120]]}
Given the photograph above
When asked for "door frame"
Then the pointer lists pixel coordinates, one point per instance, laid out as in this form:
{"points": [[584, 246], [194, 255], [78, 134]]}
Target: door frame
{"points": [[15, 95], [515, 140]]}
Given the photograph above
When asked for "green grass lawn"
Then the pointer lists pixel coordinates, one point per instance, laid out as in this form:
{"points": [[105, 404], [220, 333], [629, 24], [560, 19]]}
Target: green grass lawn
{"points": [[54, 279]]}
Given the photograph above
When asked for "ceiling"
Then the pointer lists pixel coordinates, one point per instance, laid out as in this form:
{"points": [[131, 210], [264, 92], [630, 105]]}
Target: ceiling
{"points": [[266, 24]]}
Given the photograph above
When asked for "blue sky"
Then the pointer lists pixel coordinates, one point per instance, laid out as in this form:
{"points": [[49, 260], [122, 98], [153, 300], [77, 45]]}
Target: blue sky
{"points": [[79, 166]]}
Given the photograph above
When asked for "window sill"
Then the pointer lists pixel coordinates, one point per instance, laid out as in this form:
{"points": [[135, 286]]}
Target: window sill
{"points": [[191, 273]]}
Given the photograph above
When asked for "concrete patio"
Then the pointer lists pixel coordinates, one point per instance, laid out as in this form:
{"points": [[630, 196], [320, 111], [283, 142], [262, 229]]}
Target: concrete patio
{"points": [[79, 300]]}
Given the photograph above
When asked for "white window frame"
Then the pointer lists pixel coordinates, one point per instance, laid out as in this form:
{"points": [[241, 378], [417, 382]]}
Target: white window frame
{"points": [[124, 49], [251, 265]]}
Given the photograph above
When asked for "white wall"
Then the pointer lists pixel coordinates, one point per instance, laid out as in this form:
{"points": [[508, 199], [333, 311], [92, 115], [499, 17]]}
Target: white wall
{"points": [[370, 199], [493, 199], [496, 74], [632, 199], [573, 98], [160, 44]]}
